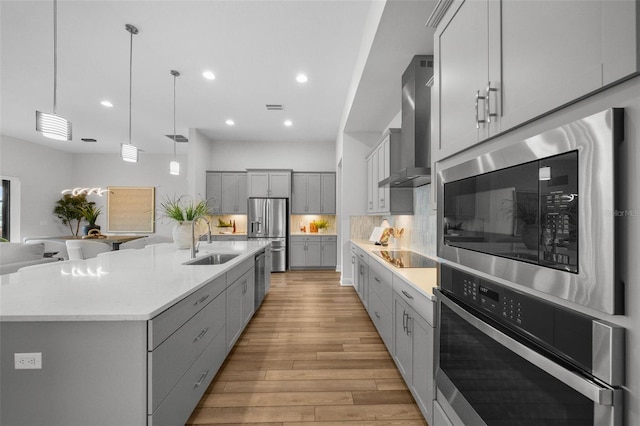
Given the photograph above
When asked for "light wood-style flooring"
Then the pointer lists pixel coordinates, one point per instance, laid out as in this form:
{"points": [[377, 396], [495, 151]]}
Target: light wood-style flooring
{"points": [[310, 356]]}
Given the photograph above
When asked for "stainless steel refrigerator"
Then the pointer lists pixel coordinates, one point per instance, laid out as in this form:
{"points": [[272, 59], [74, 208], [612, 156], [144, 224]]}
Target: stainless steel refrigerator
{"points": [[268, 219]]}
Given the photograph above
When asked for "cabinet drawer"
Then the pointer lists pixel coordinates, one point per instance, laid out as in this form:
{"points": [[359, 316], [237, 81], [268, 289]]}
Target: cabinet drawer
{"points": [[382, 319], [380, 279], [240, 270], [167, 322], [329, 238], [169, 361], [362, 255], [418, 301], [178, 406]]}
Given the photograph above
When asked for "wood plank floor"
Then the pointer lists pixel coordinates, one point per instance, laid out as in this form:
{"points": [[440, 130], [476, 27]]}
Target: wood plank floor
{"points": [[310, 356]]}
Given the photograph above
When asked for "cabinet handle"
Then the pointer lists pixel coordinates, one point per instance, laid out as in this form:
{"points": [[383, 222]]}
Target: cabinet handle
{"points": [[408, 329], [376, 278], [404, 321], [204, 376], [201, 335], [478, 98], [407, 294], [202, 299], [488, 113], [377, 315], [244, 286]]}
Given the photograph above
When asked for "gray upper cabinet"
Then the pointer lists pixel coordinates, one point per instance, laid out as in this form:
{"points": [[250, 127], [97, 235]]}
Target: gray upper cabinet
{"points": [[214, 192], [269, 183], [496, 69], [227, 192], [234, 193], [313, 193], [328, 193]]}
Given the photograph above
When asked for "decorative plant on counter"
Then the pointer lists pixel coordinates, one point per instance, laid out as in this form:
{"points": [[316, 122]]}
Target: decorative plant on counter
{"points": [[183, 211], [90, 213], [321, 224], [69, 209]]}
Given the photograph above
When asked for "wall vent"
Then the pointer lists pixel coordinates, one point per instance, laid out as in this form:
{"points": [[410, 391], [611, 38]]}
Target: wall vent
{"points": [[179, 138], [275, 107]]}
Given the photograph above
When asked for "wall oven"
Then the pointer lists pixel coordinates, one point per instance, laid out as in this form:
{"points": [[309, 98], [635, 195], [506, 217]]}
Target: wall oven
{"points": [[507, 358], [540, 212]]}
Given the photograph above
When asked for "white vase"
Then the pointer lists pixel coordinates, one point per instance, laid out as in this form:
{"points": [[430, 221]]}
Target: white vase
{"points": [[182, 234]]}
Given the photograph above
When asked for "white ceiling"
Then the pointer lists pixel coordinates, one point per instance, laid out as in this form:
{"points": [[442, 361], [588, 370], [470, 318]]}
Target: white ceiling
{"points": [[255, 49]]}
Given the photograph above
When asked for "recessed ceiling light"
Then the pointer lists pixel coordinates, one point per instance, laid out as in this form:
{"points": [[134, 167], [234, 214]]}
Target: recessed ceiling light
{"points": [[106, 104], [288, 123], [230, 122], [209, 75], [301, 78]]}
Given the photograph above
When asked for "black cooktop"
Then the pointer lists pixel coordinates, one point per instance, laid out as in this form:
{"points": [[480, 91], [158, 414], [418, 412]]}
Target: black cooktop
{"points": [[406, 259]]}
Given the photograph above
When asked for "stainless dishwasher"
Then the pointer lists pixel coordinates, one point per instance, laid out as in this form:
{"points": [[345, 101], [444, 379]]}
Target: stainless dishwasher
{"points": [[260, 271]]}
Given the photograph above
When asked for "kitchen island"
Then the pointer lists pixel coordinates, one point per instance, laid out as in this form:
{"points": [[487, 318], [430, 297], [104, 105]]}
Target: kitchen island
{"points": [[126, 338]]}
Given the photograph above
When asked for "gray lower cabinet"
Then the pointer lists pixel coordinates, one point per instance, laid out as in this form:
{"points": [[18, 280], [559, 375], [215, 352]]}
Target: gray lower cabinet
{"points": [[413, 343], [240, 300], [381, 301], [361, 277], [313, 252]]}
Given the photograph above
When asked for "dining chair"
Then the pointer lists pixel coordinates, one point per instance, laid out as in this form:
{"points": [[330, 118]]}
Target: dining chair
{"points": [[83, 249], [52, 246]]}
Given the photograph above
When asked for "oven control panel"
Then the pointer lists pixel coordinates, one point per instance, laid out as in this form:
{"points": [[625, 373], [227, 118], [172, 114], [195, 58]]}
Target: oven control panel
{"points": [[496, 300]]}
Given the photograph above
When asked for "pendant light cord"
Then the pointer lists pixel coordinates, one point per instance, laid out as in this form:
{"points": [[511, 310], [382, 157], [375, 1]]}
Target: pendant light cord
{"points": [[130, 81], [55, 54], [175, 75]]}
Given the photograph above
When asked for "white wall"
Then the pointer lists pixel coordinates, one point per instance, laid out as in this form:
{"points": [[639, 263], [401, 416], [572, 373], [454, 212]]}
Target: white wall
{"points": [[200, 149], [102, 170], [303, 157], [43, 173]]}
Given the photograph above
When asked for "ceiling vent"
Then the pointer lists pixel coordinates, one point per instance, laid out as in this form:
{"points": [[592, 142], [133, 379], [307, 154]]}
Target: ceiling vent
{"points": [[179, 138], [89, 140], [275, 107]]}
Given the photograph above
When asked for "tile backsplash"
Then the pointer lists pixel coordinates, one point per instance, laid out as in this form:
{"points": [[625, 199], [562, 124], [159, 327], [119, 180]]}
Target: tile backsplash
{"points": [[419, 229]]}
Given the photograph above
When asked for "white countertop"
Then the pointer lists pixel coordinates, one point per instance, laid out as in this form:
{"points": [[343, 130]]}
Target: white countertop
{"points": [[423, 279], [125, 285], [314, 234]]}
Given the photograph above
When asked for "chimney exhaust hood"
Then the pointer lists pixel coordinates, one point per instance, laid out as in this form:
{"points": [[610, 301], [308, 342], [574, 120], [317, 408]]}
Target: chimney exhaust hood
{"points": [[415, 146]]}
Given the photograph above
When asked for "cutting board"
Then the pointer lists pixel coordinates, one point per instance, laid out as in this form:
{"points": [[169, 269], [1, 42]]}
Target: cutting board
{"points": [[376, 234]]}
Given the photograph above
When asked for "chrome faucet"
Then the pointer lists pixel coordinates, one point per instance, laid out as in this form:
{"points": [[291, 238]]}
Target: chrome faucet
{"points": [[194, 248]]}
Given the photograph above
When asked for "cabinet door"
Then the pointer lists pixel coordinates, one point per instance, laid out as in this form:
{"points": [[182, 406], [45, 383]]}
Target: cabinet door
{"points": [[248, 296], [402, 350], [558, 65], [371, 197], [383, 173], [214, 192], [299, 193], [242, 193], [234, 313], [314, 253], [257, 184], [297, 255], [363, 282], [328, 193], [313, 193], [462, 53], [373, 183], [229, 193], [329, 253], [280, 184], [422, 380]]}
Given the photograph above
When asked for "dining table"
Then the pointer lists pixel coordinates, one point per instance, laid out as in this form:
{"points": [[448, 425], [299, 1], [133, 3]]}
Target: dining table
{"points": [[114, 240]]}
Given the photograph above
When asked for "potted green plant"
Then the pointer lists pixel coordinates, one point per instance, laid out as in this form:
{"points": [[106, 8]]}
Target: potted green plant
{"points": [[322, 225], [183, 211], [68, 210], [90, 213]]}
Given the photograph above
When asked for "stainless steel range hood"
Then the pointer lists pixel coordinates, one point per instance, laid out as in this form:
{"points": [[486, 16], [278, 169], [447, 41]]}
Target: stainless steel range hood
{"points": [[415, 146]]}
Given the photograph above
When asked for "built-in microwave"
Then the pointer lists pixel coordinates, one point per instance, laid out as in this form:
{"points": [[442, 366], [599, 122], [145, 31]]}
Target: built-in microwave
{"points": [[540, 212]]}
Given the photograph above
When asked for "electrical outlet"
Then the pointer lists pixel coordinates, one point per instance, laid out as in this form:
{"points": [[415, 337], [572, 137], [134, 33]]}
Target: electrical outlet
{"points": [[28, 361]]}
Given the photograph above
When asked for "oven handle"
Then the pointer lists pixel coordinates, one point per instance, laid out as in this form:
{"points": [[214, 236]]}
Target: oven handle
{"points": [[598, 394]]}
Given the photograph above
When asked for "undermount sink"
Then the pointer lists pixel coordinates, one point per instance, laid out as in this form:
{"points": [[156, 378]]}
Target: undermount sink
{"points": [[212, 259]]}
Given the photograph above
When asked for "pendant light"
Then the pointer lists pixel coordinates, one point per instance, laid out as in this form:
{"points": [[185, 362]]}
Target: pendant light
{"points": [[129, 152], [174, 166], [51, 125]]}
